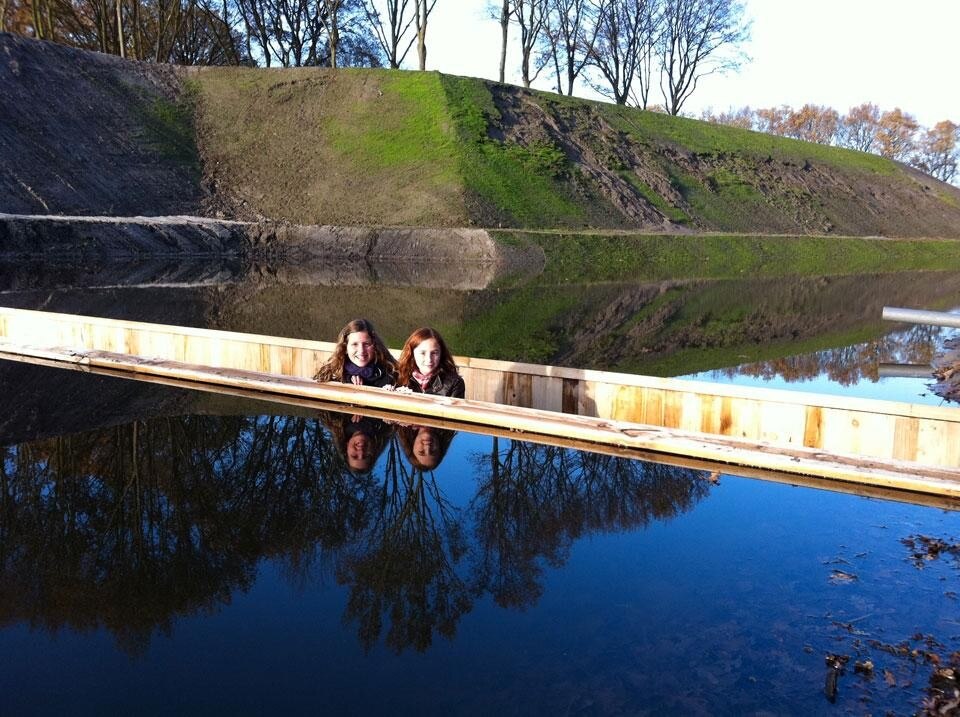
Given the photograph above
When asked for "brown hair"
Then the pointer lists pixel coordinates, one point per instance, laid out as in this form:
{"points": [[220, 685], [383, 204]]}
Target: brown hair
{"points": [[342, 427], [407, 435], [332, 370], [406, 365]]}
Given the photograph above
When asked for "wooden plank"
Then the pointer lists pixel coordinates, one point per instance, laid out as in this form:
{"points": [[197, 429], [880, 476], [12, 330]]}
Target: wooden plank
{"points": [[862, 478], [869, 427], [889, 474]]}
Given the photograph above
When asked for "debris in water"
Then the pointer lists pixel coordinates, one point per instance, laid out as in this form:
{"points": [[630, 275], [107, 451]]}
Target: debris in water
{"points": [[863, 668], [835, 665], [923, 548], [839, 576]]}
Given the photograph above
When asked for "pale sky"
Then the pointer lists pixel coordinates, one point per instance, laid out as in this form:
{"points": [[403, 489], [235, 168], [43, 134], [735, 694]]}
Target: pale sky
{"points": [[838, 53]]}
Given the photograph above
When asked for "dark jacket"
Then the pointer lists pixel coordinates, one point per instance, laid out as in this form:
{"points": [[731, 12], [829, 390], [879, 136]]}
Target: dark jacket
{"points": [[383, 378], [442, 385]]}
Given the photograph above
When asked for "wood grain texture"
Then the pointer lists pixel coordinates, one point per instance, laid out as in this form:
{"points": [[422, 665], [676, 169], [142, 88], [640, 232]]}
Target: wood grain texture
{"points": [[927, 435]]}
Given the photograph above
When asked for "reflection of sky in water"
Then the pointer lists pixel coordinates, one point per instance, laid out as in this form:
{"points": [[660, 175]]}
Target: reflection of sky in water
{"points": [[910, 390], [726, 606], [911, 346]]}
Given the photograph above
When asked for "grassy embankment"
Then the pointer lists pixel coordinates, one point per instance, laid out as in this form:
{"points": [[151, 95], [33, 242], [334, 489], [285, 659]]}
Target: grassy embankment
{"points": [[315, 146], [399, 148]]}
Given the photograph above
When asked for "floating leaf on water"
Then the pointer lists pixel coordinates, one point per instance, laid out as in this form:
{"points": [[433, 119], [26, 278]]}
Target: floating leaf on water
{"points": [[890, 679], [864, 668], [839, 576]]}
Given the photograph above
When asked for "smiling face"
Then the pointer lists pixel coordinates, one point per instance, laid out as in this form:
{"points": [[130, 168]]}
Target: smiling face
{"points": [[426, 448], [427, 356], [360, 348], [359, 452]]}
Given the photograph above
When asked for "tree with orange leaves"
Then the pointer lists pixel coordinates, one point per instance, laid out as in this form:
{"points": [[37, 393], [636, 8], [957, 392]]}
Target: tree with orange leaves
{"points": [[937, 153], [773, 120], [813, 123], [858, 128], [895, 134]]}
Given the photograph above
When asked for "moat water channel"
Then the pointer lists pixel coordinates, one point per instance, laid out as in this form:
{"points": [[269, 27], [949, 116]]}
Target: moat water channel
{"points": [[163, 550]]}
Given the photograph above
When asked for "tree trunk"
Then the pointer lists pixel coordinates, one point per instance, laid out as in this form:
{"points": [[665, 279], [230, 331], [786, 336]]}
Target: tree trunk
{"points": [[120, 42], [504, 26], [37, 25], [422, 32], [137, 32]]}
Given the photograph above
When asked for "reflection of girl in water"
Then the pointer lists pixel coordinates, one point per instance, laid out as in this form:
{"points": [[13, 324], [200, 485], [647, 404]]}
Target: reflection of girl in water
{"points": [[424, 446], [360, 439], [360, 357]]}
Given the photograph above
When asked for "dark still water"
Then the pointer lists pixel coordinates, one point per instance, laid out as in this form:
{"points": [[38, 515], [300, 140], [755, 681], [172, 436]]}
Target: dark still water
{"points": [[164, 552]]}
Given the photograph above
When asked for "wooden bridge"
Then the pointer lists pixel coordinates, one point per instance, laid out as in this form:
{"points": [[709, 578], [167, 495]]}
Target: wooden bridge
{"points": [[877, 443]]}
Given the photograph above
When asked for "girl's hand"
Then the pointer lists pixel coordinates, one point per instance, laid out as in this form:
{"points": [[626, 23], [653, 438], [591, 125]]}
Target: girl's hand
{"points": [[356, 380]]}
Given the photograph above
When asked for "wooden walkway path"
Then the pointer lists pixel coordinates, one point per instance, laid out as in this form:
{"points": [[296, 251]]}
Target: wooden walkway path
{"points": [[887, 445]]}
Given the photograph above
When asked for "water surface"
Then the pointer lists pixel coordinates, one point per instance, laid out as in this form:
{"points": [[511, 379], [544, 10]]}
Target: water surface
{"points": [[215, 555]]}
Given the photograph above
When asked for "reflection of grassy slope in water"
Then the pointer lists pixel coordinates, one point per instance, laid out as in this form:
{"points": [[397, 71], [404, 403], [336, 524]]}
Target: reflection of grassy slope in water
{"points": [[730, 323], [319, 312], [589, 258], [673, 329]]}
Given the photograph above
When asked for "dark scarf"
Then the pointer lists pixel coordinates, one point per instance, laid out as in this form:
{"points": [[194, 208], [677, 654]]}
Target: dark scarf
{"points": [[367, 373]]}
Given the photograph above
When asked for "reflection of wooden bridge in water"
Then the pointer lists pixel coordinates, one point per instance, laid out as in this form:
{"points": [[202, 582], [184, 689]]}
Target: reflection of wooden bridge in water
{"points": [[876, 443]]}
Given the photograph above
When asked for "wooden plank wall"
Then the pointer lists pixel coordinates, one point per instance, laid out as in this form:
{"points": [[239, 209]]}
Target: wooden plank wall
{"points": [[882, 429]]}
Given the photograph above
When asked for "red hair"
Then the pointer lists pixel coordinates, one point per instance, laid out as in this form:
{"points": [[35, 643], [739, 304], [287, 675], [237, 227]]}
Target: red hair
{"points": [[406, 365]]}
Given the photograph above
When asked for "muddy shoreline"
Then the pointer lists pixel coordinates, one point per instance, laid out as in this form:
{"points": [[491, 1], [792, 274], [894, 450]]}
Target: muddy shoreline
{"points": [[465, 258], [24, 236]]}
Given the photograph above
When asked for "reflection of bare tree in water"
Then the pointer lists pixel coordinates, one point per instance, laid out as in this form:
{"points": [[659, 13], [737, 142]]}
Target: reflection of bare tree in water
{"points": [[127, 527], [404, 567], [533, 501], [848, 365]]}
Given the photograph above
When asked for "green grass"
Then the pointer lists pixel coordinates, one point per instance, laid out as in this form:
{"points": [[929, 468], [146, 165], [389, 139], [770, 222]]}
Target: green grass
{"points": [[590, 258], [674, 214], [408, 126], [512, 184], [709, 138], [424, 149], [519, 327]]}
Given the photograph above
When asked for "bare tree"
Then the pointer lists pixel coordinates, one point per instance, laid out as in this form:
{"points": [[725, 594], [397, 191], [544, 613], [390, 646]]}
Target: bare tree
{"points": [[206, 38], [623, 29], [390, 26], [290, 32], [276, 29], [530, 16], [331, 23], [506, 12], [700, 37], [570, 29]]}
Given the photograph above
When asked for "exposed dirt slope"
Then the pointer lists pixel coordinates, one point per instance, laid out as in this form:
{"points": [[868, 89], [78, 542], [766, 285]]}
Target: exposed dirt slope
{"points": [[87, 133], [90, 134]]}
